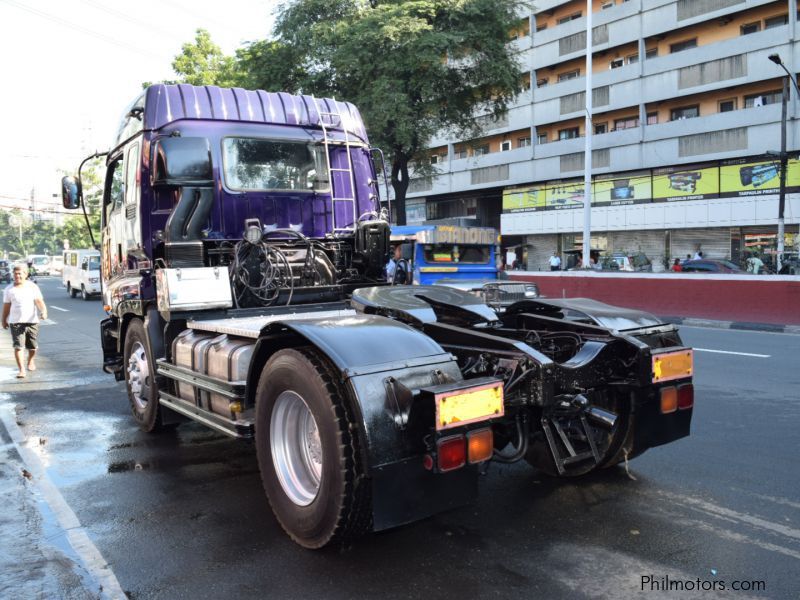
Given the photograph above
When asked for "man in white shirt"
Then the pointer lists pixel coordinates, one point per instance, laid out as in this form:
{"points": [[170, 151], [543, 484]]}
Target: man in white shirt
{"points": [[555, 262], [22, 305]]}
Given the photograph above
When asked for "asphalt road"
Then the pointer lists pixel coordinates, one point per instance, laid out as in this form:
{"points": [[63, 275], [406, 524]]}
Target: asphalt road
{"points": [[183, 515]]}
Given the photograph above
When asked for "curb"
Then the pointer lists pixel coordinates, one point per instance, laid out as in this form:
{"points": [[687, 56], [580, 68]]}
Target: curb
{"points": [[740, 325]]}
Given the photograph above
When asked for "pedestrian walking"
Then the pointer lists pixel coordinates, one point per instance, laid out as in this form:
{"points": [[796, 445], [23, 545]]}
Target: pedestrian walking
{"points": [[23, 304], [555, 262]]}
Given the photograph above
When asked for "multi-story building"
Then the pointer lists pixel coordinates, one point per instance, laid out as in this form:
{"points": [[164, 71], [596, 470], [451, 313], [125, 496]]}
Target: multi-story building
{"points": [[686, 107]]}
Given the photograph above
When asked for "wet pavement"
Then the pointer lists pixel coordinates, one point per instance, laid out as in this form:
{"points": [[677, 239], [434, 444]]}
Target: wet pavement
{"points": [[183, 515]]}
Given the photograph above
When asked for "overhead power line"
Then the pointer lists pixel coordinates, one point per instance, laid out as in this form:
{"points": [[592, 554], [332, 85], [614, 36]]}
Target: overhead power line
{"points": [[95, 34], [148, 25]]}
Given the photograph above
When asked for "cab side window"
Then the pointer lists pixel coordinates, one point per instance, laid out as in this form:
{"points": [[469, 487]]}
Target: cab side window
{"points": [[114, 194], [132, 175]]}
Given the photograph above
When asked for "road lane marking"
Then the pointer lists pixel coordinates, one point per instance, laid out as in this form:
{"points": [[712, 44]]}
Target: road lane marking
{"points": [[93, 561], [59, 308], [729, 352]]}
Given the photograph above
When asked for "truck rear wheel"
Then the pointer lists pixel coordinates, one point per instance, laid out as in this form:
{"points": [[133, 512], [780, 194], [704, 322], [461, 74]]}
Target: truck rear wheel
{"points": [[608, 440], [140, 377], [307, 452]]}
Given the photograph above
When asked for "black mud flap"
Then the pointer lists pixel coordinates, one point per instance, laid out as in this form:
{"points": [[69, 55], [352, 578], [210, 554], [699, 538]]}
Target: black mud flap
{"points": [[109, 340], [655, 429], [404, 492]]}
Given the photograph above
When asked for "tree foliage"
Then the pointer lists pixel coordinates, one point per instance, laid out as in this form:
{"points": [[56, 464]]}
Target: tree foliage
{"points": [[202, 62]]}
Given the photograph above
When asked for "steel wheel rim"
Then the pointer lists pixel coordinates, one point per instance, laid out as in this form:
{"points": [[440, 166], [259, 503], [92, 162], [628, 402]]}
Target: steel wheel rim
{"points": [[296, 448], [138, 372]]}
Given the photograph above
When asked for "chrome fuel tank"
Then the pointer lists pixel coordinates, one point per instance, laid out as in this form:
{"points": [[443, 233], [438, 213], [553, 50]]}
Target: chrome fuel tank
{"points": [[186, 352], [228, 359]]}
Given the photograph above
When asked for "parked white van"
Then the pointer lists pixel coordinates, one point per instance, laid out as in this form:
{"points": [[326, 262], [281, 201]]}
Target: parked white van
{"points": [[81, 273]]}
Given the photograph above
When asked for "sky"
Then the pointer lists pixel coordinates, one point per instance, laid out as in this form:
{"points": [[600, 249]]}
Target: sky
{"points": [[68, 68]]}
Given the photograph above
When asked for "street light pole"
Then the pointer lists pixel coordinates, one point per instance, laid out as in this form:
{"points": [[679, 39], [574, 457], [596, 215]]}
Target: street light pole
{"points": [[784, 156], [784, 163]]}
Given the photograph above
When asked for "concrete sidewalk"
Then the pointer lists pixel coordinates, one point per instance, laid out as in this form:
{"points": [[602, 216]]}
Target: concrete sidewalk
{"points": [[44, 550]]}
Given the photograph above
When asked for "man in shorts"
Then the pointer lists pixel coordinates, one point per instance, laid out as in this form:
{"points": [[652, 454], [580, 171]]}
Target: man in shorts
{"points": [[22, 305]]}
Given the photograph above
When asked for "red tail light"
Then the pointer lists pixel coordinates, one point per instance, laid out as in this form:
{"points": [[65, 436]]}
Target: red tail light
{"points": [[685, 396], [451, 453]]}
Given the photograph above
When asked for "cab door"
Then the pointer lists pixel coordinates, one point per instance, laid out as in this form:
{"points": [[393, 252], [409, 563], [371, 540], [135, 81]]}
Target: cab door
{"points": [[121, 232], [111, 222]]}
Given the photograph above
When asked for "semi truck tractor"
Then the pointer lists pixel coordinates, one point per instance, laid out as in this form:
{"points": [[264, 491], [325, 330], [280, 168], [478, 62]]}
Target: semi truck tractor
{"points": [[242, 256]]}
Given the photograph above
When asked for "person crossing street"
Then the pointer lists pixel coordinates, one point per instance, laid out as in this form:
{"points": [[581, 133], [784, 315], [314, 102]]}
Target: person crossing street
{"points": [[23, 304]]}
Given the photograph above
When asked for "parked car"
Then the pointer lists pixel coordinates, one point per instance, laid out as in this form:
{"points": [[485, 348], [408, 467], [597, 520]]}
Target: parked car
{"points": [[711, 266], [790, 263], [495, 293], [5, 271], [620, 261]]}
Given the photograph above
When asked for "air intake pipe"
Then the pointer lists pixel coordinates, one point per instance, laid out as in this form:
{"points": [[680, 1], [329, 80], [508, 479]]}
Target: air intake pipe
{"points": [[185, 163]]}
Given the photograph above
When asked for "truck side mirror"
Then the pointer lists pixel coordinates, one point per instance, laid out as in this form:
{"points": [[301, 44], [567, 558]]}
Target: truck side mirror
{"points": [[182, 161], [70, 192]]}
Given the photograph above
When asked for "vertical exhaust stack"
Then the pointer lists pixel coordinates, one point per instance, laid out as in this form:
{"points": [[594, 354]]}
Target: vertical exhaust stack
{"points": [[185, 163]]}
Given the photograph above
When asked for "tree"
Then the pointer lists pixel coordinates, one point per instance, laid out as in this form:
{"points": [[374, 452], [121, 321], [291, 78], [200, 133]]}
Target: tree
{"points": [[413, 67], [203, 63]]}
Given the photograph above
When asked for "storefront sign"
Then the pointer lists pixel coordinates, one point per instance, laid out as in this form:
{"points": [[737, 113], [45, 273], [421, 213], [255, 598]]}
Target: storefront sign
{"points": [[524, 199], [732, 178], [614, 190], [564, 194], [686, 182], [747, 177]]}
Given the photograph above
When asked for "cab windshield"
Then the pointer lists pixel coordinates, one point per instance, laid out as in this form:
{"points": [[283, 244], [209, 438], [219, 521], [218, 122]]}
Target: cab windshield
{"points": [[252, 164]]}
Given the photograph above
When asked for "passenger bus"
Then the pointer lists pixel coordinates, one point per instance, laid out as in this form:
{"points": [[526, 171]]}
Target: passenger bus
{"points": [[435, 252]]}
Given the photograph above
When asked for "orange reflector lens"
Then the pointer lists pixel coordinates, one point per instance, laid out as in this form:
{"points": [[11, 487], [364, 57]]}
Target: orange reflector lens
{"points": [[669, 400], [480, 445], [672, 365], [685, 396], [451, 453]]}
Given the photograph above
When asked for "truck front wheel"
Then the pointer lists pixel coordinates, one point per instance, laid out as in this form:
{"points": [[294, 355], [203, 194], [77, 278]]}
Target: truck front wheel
{"points": [[307, 455], [140, 377]]}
